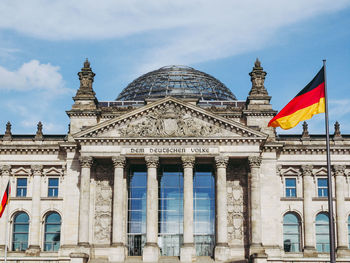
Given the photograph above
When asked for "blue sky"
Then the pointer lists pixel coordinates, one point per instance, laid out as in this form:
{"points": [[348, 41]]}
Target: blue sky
{"points": [[43, 45]]}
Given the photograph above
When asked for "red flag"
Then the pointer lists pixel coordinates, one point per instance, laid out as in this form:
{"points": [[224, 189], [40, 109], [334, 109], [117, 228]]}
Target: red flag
{"points": [[5, 199]]}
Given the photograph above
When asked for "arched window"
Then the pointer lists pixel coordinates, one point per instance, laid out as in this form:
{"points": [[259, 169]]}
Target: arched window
{"points": [[322, 232], [20, 232], [52, 232], [291, 233]]}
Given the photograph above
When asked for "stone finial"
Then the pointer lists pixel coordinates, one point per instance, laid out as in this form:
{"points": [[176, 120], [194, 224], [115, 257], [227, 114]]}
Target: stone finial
{"points": [[8, 134], [337, 133], [39, 132], [86, 77], [305, 133], [257, 77]]}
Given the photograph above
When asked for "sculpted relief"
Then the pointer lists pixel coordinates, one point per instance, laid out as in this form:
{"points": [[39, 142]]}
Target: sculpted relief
{"points": [[103, 208], [169, 121]]}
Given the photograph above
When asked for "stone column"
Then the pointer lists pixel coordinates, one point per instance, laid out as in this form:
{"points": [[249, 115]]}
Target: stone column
{"points": [[341, 219], [256, 247], [119, 251], [151, 249], [221, 248], [84, 201], [308, 191], [5, 176], [188, 252], [34, 245]]}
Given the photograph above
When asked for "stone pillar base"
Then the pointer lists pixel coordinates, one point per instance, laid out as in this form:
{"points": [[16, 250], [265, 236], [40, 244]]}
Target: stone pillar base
{"points": [[310, 252], [221, 252], [343, 252], [78, 257], [258, 258], [187, 253], [257, 250], [33, 251], [150, 253], [118, 253]]}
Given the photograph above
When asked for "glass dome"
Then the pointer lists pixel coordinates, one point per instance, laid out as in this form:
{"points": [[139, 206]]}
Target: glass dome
{"points": [[176, 81]]}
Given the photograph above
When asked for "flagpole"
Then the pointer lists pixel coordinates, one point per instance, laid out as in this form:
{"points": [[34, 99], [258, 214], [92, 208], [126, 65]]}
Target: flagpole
{"points": [[329, 176], [6, 234]]}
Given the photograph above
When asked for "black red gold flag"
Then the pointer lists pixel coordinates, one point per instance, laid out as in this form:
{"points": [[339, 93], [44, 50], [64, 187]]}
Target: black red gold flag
{"points": [[308, 102], [5, 199]]}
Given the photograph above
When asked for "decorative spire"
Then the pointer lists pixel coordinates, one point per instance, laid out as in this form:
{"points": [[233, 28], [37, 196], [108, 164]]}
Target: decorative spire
{"points": [[337, 133], [86, 77], [305, 133], [8, 134], [85, 98], [257, 77], [39, 133]]}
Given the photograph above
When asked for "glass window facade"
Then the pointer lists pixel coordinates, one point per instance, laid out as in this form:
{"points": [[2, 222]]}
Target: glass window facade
{"points": [[204, 210], [52, 190], [291, 233], [322, 185], [170, 208], [137, 203], [322, 233], [291, 187], [21, 190], [52, 232], [20, 232]]}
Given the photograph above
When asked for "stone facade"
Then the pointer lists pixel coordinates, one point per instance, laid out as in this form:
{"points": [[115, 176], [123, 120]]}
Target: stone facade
{"points": [[250, 163]]}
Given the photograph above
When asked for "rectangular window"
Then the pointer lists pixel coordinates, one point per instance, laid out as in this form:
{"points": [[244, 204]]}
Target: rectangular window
{"points": [[21, 190], [53, 187], [291, 187], [322, 187]]}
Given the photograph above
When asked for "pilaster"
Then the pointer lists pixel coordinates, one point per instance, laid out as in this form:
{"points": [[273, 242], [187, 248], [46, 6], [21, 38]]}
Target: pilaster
{"points": [[5, 177], [308, 187], [84, 201], [256, 247], [151, 249], [35, 233], [341, 219]]}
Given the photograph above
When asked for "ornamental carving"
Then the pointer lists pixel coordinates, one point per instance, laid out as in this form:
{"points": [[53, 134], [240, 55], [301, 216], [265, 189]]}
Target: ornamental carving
{"points": [[221, 161], [152, 161], [103, 212], [6, 170], [85, 161], [188, 161], [236, 205], [254, 161], [169, 121], [37, 169], [339, 170], [306, 170], [118, 161]]}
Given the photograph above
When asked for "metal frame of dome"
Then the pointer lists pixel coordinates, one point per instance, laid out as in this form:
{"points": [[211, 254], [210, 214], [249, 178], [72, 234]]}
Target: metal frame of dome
{"points": [[176, 81]]}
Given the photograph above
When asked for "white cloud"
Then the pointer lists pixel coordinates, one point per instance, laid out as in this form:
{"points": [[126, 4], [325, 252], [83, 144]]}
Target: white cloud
{"points": [[183, 31], [33, 76]]}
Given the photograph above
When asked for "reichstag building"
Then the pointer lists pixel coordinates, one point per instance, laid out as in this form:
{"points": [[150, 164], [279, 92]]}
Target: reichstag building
{"points": [[175, 169]]}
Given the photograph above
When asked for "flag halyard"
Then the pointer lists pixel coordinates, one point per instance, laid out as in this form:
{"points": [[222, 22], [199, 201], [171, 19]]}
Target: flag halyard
{"points": [[308, 102]]}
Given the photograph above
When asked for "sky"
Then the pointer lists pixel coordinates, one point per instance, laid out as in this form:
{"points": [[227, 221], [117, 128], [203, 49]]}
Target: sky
{"points": [[43, 44]]}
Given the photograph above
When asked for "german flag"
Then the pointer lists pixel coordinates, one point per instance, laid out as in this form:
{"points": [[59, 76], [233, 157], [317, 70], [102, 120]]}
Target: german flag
{"points": [[5, 199], [308, 102]]}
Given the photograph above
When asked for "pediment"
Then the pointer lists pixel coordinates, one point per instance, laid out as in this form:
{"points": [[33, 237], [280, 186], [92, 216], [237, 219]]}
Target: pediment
{"points": [[170, 118]]}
